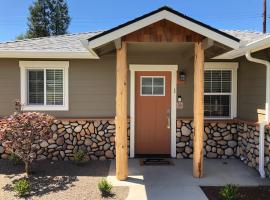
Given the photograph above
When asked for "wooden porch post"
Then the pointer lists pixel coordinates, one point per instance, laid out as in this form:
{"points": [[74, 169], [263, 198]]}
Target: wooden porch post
{"points": [[198, 110], [121, 113]]}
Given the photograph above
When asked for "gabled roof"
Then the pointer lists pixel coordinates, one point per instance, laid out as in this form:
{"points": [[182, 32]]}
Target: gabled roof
{"points": [[72, 46], [246, 36], [250, 41], [161, 14], [62, 46]]}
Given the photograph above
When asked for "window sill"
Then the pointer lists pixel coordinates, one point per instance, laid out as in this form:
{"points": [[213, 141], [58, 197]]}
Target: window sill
{"points": [[44, 108]]}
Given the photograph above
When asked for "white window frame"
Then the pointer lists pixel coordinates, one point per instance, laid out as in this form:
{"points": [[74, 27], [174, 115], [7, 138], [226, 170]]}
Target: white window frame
{"points": [[233, 66], [38, 65], [153, 95]]}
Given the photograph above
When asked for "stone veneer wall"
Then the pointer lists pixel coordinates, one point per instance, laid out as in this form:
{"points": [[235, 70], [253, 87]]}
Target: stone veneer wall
{"points": [[248, 146], [220, 139], [225, 139], [97, 137]]}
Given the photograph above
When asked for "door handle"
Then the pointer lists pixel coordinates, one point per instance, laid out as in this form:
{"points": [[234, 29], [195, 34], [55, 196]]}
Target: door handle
{"points": [[169, 118]]}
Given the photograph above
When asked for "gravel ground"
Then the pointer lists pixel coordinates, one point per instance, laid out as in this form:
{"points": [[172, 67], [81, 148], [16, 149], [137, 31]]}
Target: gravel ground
{"points": [[60, 180]]}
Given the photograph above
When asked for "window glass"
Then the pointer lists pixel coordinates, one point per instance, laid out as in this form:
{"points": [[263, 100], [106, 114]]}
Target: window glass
{"points": [[54, 92], [152, 86], [217, 89], [36, 87], [54, 86]]}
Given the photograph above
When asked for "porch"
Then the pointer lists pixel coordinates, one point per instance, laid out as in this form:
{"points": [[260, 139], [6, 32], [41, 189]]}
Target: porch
{"points": [[159, 100], [175, 181]]}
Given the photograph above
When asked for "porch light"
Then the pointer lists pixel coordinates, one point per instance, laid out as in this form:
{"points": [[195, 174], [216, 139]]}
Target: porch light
{"points": [[182, 75]]}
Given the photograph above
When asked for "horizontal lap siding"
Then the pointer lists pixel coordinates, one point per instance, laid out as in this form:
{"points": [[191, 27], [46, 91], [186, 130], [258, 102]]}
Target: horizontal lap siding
{"points": [[9, 85], [251, 89], [92, 85], [91, 88]]}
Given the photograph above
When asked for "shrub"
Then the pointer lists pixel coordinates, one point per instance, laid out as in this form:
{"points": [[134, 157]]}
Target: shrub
{"points": [[229, 192], [22, 130], [14, 159], [22, 187], [79, 156], [105, 187]]}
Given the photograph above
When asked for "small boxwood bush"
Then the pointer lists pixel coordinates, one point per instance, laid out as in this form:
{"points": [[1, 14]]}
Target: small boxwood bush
{"points": [[229, 192], [105, 187], [79, 156], [22, 187]]}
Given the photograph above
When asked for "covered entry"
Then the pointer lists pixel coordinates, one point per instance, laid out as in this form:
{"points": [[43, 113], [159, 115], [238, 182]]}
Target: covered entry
{"points": [[161, 26]]}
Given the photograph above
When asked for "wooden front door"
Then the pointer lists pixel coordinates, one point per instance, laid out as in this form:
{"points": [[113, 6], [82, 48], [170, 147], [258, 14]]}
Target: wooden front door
{"points": [[152, 109]]}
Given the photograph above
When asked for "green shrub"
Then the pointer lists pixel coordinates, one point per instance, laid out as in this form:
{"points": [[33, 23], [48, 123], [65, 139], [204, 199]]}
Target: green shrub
{"points": [[229, 192], [79, 156], [14, 159], [22, 187], [105, 187]]}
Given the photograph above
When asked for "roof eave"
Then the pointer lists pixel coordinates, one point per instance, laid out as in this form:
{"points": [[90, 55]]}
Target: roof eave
{"points": [[250, 47], [167, 14], [48, 55]]}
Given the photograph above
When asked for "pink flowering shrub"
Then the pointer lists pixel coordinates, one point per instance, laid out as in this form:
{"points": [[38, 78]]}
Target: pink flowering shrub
{"points": [[21, 131]]}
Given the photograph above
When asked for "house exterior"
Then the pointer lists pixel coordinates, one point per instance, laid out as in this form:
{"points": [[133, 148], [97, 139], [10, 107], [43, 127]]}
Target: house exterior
{"points": [[148, 83]]}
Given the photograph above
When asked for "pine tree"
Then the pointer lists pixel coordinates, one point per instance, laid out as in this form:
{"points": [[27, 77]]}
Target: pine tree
{"points": [[48, 17], [38, 21], [59, 18]]}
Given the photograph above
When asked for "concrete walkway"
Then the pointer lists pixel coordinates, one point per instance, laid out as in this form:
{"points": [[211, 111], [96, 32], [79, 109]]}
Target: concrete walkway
{"points": [[176, 181]]}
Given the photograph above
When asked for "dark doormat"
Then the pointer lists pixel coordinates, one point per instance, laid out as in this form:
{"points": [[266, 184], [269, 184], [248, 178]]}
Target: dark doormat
{"points": [[155, 161]]}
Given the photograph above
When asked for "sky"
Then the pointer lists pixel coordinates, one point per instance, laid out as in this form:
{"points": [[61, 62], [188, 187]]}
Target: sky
{"points": [[93, 15]]}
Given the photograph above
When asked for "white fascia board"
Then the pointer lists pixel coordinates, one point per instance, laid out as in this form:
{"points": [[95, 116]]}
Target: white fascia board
{"points": [[202, 30], [250, 47], [126, 30], [48, 55], [157, 17]]}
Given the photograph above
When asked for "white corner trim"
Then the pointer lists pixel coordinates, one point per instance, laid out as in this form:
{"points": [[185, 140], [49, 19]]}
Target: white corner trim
{"points": [[25, 65], [160, 16], [233, 66], [133, 68]]}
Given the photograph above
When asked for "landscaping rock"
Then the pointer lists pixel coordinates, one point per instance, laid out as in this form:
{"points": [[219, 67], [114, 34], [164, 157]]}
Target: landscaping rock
{"points": [[44, 144]]}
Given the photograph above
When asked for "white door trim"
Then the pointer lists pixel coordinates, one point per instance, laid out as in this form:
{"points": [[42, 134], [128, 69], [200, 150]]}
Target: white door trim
{"points": [[173, 69]]}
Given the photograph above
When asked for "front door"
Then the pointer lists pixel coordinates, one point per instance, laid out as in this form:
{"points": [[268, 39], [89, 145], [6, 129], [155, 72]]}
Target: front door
{"points": [[152, 113]]}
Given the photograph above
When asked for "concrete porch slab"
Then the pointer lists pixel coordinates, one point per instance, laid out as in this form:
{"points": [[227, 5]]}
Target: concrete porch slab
{"points": [[176, 181]]}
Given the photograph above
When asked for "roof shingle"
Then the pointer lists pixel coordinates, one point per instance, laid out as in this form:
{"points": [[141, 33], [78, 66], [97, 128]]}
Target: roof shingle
{"points": [[61, 43], [72, 42]]}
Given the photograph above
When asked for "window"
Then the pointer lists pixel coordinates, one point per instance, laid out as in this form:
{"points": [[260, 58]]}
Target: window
{"points": [[220, 90], [44, 85], [152, 85]]}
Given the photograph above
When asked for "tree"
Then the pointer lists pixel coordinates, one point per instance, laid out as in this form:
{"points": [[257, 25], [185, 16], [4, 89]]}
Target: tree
{"points": [[21, 37], [48, 17], [38, 21], [22, 131], [59, 18]]}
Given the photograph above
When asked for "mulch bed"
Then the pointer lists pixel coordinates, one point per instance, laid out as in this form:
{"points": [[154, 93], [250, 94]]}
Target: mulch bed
{"points": [[62, 180], [245, 192]]}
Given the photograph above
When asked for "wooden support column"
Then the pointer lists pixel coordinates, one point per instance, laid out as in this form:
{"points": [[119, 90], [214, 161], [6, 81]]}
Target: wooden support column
{"points": [[198, 110], [121, 113]]}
